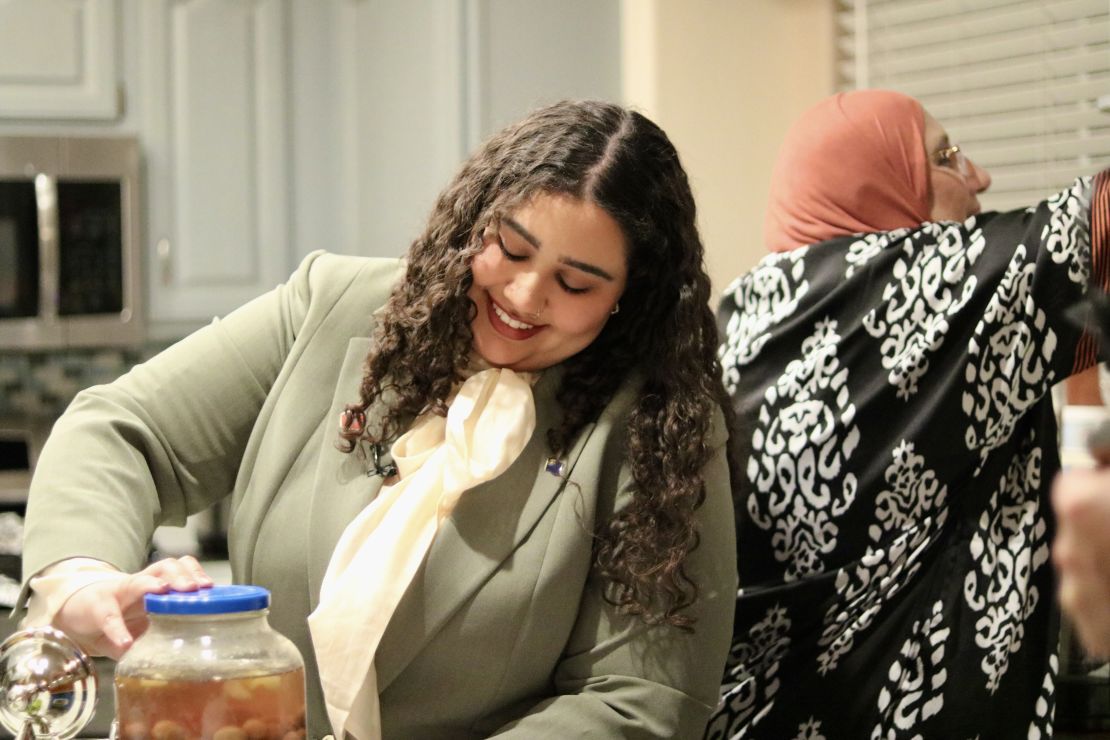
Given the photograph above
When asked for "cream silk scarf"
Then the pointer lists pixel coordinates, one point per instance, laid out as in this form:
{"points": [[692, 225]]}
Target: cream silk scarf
{"points": [[488, 423]]}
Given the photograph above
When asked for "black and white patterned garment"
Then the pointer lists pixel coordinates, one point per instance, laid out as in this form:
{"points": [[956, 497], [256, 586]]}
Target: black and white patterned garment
{"points": [[895, 424]]}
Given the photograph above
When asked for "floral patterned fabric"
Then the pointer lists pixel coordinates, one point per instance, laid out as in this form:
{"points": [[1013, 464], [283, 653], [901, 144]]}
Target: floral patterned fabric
{"points": [[899, 443]]}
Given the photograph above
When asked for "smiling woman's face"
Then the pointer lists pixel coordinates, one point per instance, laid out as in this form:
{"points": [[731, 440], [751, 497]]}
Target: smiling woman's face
{"points": [[545, 282]]}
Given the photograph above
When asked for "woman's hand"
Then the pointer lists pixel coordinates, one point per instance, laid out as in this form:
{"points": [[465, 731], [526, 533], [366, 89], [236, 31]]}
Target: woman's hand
{"points": [[1082, 553], [104, 618]]}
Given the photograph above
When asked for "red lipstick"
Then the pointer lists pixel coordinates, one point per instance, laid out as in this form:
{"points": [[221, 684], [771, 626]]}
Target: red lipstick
{"points": [[509, 332]]}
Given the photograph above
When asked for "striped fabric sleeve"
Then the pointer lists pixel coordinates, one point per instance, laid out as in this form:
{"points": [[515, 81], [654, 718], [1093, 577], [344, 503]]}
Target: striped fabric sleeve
{"points": [[1086, 352]]}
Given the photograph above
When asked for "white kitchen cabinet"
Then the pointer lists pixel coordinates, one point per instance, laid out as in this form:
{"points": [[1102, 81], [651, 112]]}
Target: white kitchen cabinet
{"points": [[420, 83], [213, 85], [58, 59], [270, 128], [275, 127]]}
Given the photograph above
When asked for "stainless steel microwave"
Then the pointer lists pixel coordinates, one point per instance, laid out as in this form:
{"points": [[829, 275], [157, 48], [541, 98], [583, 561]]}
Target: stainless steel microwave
{"points": [[70, 269]]}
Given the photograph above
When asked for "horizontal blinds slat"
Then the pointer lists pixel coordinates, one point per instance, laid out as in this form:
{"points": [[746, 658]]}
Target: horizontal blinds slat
{"points": [[933, 8], [1008, 99], [1028, 124], [986, 111], [1014, 178], [933, 14], [907, 12], [1054, 71], [1017, 151], [1031, 188], [1049, 43], [1032, 151], [1049, 68], [967, 28], [1027, 188], [890, 12]]}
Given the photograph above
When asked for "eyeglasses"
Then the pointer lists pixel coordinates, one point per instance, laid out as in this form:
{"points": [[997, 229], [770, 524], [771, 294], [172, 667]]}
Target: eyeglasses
{"points": [[953, 158]]}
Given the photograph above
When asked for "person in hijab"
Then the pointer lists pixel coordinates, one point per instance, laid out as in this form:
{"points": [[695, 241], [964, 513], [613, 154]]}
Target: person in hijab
{"points": [[890, 364], [487, 485]]}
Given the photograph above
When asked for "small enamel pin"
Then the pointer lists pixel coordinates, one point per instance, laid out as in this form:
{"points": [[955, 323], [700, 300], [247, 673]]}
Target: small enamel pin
{"points": [[352, 420], [554, 466]]}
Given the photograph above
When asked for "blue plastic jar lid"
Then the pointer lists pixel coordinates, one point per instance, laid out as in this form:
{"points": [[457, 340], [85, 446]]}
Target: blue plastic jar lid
{"points": [[214, 600]]}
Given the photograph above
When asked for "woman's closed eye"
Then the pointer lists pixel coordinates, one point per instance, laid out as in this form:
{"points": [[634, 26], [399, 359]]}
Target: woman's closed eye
{"points": [[511, 256], [573, 290], [570, 286]]}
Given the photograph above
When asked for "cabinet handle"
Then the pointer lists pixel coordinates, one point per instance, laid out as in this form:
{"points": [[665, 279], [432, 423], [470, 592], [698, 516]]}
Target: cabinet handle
{"points": [[163, 250]]}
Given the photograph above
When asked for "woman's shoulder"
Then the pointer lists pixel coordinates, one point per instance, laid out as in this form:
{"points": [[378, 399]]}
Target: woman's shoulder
{"points": [[355, 282], [330, 272]]}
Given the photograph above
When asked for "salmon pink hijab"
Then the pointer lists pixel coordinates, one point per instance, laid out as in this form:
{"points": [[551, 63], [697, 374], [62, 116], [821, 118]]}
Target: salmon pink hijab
{"points": [[853, 163]]}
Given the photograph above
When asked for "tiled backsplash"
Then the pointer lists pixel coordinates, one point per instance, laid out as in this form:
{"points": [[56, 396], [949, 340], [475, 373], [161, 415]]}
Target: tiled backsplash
{"points": [[43, 383]]}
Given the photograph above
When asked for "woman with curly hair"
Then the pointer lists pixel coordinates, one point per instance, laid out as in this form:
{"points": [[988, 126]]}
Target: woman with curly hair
{"points": [[527, 480]]}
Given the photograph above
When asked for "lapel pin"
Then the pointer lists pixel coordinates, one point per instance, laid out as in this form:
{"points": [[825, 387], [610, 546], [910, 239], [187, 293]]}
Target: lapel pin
{"points": [[554, 466], [352, 420]]}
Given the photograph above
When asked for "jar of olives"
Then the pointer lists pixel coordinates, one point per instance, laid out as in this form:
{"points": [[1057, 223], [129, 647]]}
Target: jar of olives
{"points": [[210, 666]]}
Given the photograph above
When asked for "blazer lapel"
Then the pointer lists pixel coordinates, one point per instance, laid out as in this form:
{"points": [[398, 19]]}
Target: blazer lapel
{"points": [[341, 488], [291, 443], [488, 524]]}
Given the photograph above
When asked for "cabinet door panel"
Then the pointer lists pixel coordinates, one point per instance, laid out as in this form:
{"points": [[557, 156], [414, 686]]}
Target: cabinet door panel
{"points": [[423, 82], [401, 77], [215, 80], [58, 59]]}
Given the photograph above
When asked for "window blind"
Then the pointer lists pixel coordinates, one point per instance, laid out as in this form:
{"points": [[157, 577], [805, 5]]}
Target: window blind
{"points": [[1022, 85]]}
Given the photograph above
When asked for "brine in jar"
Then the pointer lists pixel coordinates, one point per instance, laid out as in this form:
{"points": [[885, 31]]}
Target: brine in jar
{"points": [[210, 668]]}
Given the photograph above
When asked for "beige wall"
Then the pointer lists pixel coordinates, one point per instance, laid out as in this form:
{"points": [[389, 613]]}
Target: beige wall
{"points": [[725, 78]]}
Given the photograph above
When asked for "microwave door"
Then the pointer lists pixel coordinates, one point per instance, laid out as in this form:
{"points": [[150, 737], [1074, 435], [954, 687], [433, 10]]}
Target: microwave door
{"points": [[28, 313], [90, 248], [69, 242], [19, 250]]}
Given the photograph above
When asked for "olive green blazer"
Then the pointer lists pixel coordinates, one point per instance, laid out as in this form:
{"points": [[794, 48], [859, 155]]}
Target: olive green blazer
{"points": [[504, 630]]}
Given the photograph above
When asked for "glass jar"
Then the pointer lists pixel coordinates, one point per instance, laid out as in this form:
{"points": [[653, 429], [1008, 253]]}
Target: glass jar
{"points": [[210, 666]]}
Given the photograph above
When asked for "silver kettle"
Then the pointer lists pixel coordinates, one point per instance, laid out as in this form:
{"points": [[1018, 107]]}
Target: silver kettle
{"points": [[48, 685]]}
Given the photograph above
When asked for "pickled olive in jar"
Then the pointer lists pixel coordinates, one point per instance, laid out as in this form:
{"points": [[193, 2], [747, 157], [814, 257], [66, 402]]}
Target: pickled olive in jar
{"points": [[210, 667]]}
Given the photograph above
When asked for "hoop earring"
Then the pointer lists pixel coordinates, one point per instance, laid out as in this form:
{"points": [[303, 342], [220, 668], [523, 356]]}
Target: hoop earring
{"points": [[616, 308]]}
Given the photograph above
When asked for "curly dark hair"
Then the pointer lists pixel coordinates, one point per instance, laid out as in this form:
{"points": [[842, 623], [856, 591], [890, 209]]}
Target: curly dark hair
{"points": [[664, 334]]}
